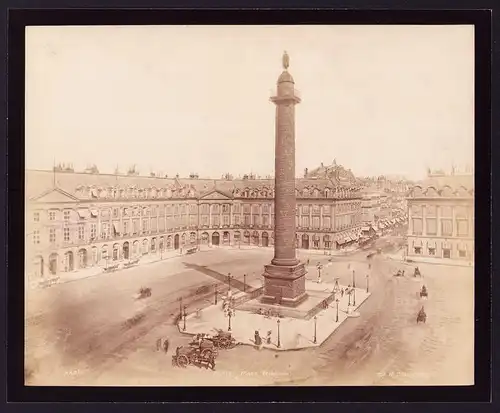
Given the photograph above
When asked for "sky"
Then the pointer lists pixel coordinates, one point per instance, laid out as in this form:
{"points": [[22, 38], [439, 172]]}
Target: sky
{"points": [[182, 99]]}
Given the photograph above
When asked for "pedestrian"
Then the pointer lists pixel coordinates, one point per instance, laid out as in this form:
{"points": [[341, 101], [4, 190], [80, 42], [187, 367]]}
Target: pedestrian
{"points": [[342, 292], [166, 345], [258, 339], [268, 339], [211, 361], [308, 261]]}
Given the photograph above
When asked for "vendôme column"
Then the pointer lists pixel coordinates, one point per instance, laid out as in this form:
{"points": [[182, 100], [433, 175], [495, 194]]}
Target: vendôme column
{"points": [[285, 276]]}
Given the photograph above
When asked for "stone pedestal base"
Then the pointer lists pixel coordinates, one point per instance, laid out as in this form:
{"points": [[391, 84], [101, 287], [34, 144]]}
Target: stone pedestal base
{"points": [[284, 285]]}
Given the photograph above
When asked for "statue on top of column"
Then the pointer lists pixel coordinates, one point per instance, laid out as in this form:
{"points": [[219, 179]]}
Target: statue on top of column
{"points": [[286, 60]]}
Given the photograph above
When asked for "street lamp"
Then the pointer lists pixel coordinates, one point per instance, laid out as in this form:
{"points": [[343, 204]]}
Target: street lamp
{"points": [[229, 314], [315, 321], [180, 306], [229, 281], [215, 293], [354, 296], [367, 282], [353, 279], [279, 342], [350, 292], [337, 317], [244, 283], [185, 314]]}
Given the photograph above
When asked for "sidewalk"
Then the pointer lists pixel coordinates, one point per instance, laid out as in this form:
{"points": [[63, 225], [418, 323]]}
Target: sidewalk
{"points": [[80, 274], [295, 334]]}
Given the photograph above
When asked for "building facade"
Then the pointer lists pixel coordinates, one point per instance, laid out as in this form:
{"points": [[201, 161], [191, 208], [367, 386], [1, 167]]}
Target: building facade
{"points": [[441, 219], [78, 220]]}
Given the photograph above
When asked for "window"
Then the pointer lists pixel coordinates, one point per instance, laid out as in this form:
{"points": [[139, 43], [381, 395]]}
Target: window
{"points": [[462, 253], [265, 220], [215, 220], [460, 212], [416, 210], [81, 232], [66, 234], [446, 227], [305, 209], [326, 209], [446, 253], [237, 220], [246, 208], [305, 222], [316, 209], [176, 209], [116, 212], [432, 251], [225, 209], [236, 208], [93, 231], [430, 210], [462, 228], [183, 209], [247, 220], [431, 226], [255, 209], [125, 227], [265, 209], [36, 237], [168, 209], [144, 225], [446, 211], [226, 219], [66, 215], [316, 223], [136, 226], [418, 250], [417, 226], [36, 216], [192, 209], [154, 224], [104, 230], [215, 209], [327, 222], [52, 235], [52, 215], [205, 209], [161, 224], [256, 219]]}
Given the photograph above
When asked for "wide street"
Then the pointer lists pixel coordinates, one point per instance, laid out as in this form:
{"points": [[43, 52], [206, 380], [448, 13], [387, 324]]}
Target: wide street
{"points": [[80, 332]]}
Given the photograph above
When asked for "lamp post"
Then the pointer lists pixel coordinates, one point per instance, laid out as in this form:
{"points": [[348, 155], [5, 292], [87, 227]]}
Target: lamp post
{"points": [[354, 296], [229, 314], [337, 317], [279, 342], [185, 314], [350, 292], [229, 281], [215, 294], [367, 282], [244, 283], [180, 306], [315, 321]]}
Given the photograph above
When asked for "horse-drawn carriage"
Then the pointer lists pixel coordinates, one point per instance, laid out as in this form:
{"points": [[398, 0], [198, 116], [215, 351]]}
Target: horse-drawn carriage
{"points": [[144, 292], [211, 344], [399, 274], [421, 316], [186, 355], [131, 263], [416, 273], [423, 292]]}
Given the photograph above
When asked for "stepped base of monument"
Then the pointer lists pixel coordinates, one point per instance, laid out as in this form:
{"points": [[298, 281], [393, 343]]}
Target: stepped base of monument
{"points": [[311, 303]]}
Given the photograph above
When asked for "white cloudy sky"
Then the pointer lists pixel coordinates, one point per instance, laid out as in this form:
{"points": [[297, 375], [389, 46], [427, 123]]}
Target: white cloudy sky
{"points": [[177, 99]]}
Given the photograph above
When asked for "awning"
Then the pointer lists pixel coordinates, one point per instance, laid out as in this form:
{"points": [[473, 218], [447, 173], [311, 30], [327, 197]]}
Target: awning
{"points": [[94, 212], [83, 213]]}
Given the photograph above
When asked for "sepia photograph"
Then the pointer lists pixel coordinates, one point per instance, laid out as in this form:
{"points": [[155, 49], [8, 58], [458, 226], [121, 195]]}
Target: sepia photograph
{"points": [[249, 205]]}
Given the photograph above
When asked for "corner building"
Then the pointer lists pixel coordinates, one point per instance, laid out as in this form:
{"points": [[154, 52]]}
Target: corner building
{"points": [[79, 220], [441, 219]]}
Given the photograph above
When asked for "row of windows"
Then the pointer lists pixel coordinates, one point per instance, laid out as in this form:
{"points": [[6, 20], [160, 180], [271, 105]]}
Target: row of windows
{"points": [[462, 227], [444, 210], [462, 253], [183, 209]]}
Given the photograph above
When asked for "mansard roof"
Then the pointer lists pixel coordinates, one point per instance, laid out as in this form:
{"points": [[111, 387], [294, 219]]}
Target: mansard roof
{"points": [[448, 186], [84, 186]]}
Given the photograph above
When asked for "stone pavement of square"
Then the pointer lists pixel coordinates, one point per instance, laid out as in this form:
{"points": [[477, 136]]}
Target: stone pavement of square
{"points": [[295, 333]]}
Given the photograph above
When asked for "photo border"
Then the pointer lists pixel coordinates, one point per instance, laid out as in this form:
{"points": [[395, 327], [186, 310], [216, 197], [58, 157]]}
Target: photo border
{"points": [[17, 392]]}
